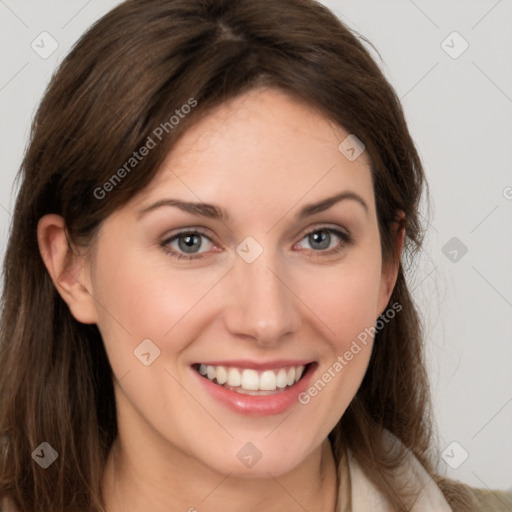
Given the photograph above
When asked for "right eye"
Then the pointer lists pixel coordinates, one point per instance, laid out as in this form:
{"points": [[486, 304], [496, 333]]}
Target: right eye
{"points": [[186, 244]]}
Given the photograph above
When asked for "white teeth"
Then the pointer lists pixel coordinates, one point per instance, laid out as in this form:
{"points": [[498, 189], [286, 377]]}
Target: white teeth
{"points": [[210, 372], [281, 381], [234, 377], [222, 375], [252, 380], [268, 381]]}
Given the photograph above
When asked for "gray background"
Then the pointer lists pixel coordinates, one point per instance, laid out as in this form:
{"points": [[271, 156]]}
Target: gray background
{"points": [[459, 111]]}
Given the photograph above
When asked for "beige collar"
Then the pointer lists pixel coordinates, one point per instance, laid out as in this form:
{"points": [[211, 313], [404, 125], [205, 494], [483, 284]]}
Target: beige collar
{"points": [[358, 494]]}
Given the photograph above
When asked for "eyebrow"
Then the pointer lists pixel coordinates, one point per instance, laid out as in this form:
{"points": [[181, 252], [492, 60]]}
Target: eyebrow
{"points": [[214, 212]]}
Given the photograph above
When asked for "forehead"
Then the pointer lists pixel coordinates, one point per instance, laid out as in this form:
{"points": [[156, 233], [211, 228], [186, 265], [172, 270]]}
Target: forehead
{"points": [[261, 148]]}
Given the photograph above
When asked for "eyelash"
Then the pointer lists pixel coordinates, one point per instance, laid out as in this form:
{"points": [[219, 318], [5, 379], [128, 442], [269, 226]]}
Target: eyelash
{"points": [[345, 237]]}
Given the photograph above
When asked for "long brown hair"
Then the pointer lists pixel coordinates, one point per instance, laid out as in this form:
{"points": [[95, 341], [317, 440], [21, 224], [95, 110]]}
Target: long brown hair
{"points": [[124, 78]]}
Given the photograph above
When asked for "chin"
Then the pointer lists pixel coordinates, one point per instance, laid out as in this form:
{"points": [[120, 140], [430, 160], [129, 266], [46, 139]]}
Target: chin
{"points": [[249, 461]]}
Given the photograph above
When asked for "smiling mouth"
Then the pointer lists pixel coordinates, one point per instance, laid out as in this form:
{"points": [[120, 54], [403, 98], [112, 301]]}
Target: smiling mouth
{"points": [[247, 381]]}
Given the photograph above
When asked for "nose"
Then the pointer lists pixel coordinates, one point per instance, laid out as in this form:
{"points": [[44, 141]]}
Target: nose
{"points": [[261, 304]]}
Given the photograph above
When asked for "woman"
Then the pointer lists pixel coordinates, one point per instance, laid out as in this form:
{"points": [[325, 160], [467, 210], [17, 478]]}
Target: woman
{"points": [[173, 343]]}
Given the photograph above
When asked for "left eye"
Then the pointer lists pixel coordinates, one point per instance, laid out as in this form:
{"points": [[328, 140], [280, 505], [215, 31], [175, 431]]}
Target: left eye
{"points": [[322, 239]]}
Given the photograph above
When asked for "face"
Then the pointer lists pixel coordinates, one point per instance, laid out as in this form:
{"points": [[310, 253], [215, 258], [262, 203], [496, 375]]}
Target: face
{"points": [[219, 328]]}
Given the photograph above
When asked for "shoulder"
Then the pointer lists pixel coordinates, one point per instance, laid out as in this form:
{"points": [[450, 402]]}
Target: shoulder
{"points": [[422, 489], [463, 498]]}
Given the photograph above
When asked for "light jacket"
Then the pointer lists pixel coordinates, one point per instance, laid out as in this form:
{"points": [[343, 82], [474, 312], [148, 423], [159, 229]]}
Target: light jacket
{"points": [[357, 493]]}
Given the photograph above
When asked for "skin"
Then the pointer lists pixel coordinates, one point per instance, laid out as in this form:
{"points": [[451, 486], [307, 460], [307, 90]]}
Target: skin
{"points": [[177, 446]]}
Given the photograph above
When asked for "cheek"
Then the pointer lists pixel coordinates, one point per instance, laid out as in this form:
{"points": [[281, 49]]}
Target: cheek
{"points": [[345, 299], [139, 299], [351, 316], [347, 303]]}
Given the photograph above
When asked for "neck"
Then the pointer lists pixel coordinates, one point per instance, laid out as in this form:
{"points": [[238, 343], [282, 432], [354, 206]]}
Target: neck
{"points": [[133, 483]]}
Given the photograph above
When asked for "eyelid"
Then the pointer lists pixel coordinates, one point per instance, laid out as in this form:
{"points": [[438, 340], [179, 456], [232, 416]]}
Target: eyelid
{"points": [[168, 239], [189, 230], [324, 226]]}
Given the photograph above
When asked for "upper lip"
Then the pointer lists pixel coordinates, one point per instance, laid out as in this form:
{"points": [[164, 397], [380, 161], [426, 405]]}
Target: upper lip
{"points": [[258, 365]]}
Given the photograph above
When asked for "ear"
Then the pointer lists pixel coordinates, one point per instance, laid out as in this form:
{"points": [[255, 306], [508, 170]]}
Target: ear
{"points": [[390, 270], [67, 268]]}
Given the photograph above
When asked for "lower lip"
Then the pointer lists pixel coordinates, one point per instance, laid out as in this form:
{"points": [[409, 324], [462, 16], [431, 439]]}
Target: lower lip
{"points": [[253, 405]]}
